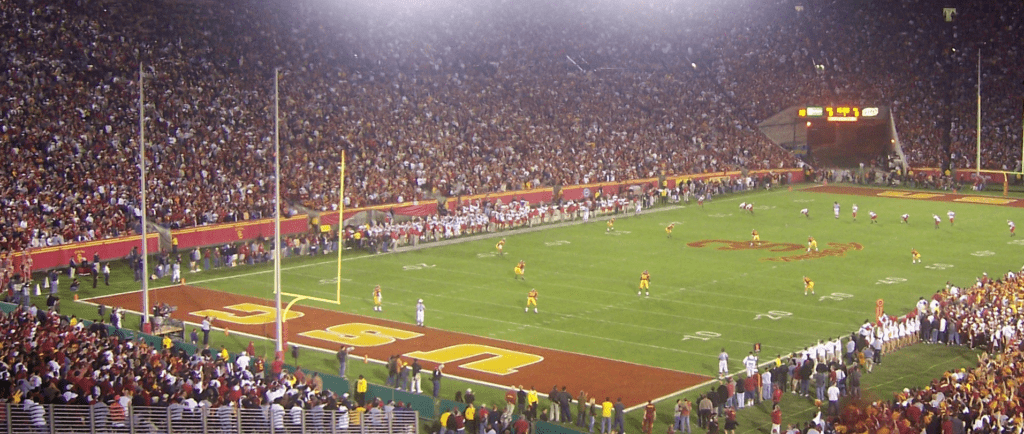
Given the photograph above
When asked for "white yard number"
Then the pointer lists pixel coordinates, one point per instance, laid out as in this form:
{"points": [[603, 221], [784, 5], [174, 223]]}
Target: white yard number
{"points": [[938, 266], [837, 296], [773, 315], [419, 266], [333, 281], [890, 281], [983, 253], [702, 335], [616, 233], [556, 243], [1016, 242], [486, 255]]}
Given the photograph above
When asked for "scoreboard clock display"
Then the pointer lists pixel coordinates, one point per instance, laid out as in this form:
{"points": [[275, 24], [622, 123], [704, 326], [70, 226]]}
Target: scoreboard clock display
{"points": [[838, 114]]}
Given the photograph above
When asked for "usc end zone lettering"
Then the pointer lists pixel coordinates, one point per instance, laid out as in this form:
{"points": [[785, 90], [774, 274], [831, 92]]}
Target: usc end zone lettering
{"points": [[258, 314], [907, 195], [359, 334], [502, 362]]}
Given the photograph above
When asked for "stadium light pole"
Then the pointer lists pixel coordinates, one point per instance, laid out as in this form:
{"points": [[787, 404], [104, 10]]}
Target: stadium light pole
{"points": [[142, 183], [277, 217]]}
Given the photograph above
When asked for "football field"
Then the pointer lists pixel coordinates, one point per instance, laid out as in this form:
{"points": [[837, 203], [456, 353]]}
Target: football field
{"points": [[710, 288]]}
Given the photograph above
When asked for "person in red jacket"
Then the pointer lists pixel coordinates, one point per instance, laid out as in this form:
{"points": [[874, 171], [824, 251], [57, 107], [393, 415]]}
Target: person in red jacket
{"points": [[649, 414], [776, 419]]}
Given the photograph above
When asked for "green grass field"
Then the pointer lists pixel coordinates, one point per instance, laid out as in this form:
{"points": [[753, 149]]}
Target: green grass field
{"points": [[702, 299]]}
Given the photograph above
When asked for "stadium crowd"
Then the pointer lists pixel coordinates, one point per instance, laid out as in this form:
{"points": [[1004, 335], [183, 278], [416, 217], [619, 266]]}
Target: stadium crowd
{"points": [[52, 359], [436, 106], [983, 399]]}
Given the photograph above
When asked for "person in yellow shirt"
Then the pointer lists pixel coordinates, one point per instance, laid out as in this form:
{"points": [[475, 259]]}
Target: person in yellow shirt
{"points": [[645, 283], [501, 247], [167, 344], [668, 230], [223, 353], [531, 401], [915, 256], [812, 244], [610, 225], [378, 297], [444, 419], [606, 416], [520, 270], [470, 418], [361, 387], [531, 299], [755, 237], [808, 285]]}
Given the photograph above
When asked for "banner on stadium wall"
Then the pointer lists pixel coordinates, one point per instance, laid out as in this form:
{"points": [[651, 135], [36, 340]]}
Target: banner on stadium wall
{"points": [[233, 232], [108, 249]]}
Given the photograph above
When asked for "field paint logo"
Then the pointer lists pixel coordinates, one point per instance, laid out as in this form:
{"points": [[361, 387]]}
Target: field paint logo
{"points": [[258, 314], [890, 281], [834, 249], [985, 200], [908, 195], [359, 334], [556, 243], [983, 253], [501, 362]]}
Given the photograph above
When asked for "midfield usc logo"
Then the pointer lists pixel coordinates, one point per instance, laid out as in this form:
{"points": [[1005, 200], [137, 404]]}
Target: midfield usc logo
{"points": [[833, 249]]}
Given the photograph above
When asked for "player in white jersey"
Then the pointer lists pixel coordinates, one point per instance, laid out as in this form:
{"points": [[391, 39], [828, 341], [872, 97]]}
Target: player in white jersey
{"points": [[743, 205], [854, 212], [873, 216], [905, 217], [723, 364], [951, 216], [750, 363], [805, 213], [835, 208], [1013, 228], [420, 312], [749, 207], [937, 220]]}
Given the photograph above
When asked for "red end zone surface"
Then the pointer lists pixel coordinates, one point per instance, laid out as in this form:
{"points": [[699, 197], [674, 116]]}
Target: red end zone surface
{"points": [[478, 358]]}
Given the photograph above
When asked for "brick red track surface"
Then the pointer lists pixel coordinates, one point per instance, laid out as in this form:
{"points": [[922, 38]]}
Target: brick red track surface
{"points": [[929, 195], [598, 376]]}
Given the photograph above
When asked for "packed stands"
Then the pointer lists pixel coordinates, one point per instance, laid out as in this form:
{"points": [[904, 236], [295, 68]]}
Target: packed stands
{"points": [[56, 373], [492, 96]]}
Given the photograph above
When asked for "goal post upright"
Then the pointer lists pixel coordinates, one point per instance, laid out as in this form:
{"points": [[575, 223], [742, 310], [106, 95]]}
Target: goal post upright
{"points": [[341, 223]]}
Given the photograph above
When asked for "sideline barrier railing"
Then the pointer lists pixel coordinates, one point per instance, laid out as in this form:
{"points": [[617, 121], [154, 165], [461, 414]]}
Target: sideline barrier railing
{"points": [[34, 418]]}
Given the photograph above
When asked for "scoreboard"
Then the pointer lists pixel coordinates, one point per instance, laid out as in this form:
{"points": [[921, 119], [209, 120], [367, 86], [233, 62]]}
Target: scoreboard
{"points": [[839, 114]]}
